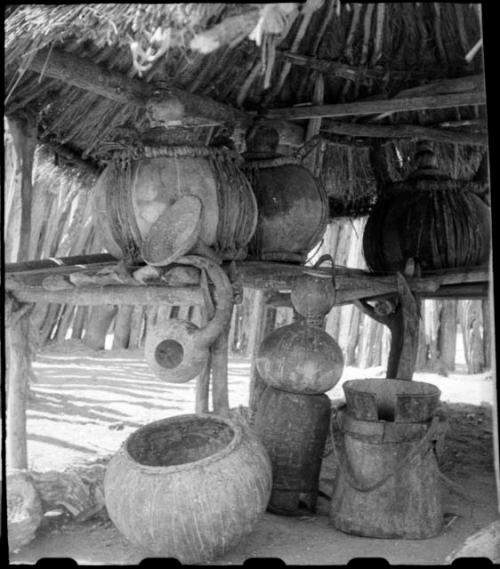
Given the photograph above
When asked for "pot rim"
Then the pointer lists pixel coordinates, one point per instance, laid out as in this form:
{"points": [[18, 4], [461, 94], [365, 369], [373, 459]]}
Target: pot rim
{"points": [[233, 443], [429, 389]]}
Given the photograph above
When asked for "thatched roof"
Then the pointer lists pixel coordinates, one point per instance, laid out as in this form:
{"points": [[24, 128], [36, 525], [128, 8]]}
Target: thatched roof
{"points": [[325, 52]]}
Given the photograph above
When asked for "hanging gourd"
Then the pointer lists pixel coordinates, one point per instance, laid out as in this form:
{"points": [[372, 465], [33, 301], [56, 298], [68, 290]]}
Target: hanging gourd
{"points": [[302, 357], [177, 350], [292, 205], [438, 222], [159, 203]]}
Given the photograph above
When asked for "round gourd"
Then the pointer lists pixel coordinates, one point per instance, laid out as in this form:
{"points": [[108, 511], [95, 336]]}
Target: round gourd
{"points": [[300, 359]]}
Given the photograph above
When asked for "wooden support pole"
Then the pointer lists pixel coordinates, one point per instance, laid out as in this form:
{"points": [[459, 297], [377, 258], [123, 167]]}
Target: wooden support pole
{"points": [[488, 333], [18, 373], [99, 323], [220, 394], [164, 105], [203, 379], [393, 105], [64, 322], [24, 136], [121, 332], [401, 315], [136, 327], [79, 322], [447, 335], [257, 384], [405, 334], [405, 131], [203, 388]]}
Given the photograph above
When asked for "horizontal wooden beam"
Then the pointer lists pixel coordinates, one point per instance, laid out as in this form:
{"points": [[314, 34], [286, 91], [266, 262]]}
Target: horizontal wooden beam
{"points": [[405, 131], [327, 66], [116, 295], [62, 264], [166, 105], [467, 84], [351, 284], [354, 284], [467, 291], [393, 105]]}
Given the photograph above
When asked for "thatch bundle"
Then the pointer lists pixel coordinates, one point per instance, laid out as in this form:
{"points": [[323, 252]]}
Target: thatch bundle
{"points": [[458, 161], [348, 178]]}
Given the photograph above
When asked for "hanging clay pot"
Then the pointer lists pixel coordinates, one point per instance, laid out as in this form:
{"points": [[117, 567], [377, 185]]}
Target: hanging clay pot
{"points": [[438, 222], [137, 189], [292, 205], [177, 350]]}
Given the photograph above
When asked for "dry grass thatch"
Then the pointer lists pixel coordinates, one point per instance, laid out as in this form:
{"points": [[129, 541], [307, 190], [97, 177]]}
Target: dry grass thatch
{"points": [[389, 46]]}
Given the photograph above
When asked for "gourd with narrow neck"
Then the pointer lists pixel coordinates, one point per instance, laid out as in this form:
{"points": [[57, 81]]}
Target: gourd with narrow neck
{"points": [[302, 357], [177, 350]]}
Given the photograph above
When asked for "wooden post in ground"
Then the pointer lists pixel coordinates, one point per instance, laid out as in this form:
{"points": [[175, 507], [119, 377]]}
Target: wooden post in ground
{"points": [[421, 362], [122, 327], [136, 327], [203, 388], [257, 384], [220, 395], [203, 379], [404, 334], [99, 323], [402, 318], [24, 136], [18, 373], [447, 335], [79, 322], [487, 332]]}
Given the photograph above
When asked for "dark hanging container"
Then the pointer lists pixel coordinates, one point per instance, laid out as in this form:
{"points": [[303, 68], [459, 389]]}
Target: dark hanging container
{"points": [[293, 206], [439, 222], [293, 429]]}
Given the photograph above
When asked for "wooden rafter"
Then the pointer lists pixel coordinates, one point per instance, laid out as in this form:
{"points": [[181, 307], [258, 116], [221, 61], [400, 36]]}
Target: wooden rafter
{"points": [[168, 104], [371, 107], [405, 131]]}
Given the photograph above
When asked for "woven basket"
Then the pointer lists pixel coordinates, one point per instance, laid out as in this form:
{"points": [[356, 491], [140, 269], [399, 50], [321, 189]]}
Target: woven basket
{"points": [[188, 487]]}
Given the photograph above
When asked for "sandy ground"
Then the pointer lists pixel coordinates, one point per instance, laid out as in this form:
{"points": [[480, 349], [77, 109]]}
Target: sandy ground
{"points": [[85, 404]]}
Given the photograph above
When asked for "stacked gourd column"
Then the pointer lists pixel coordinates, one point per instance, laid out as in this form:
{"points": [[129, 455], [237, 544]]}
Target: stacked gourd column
{"points": [[299, 363]]}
